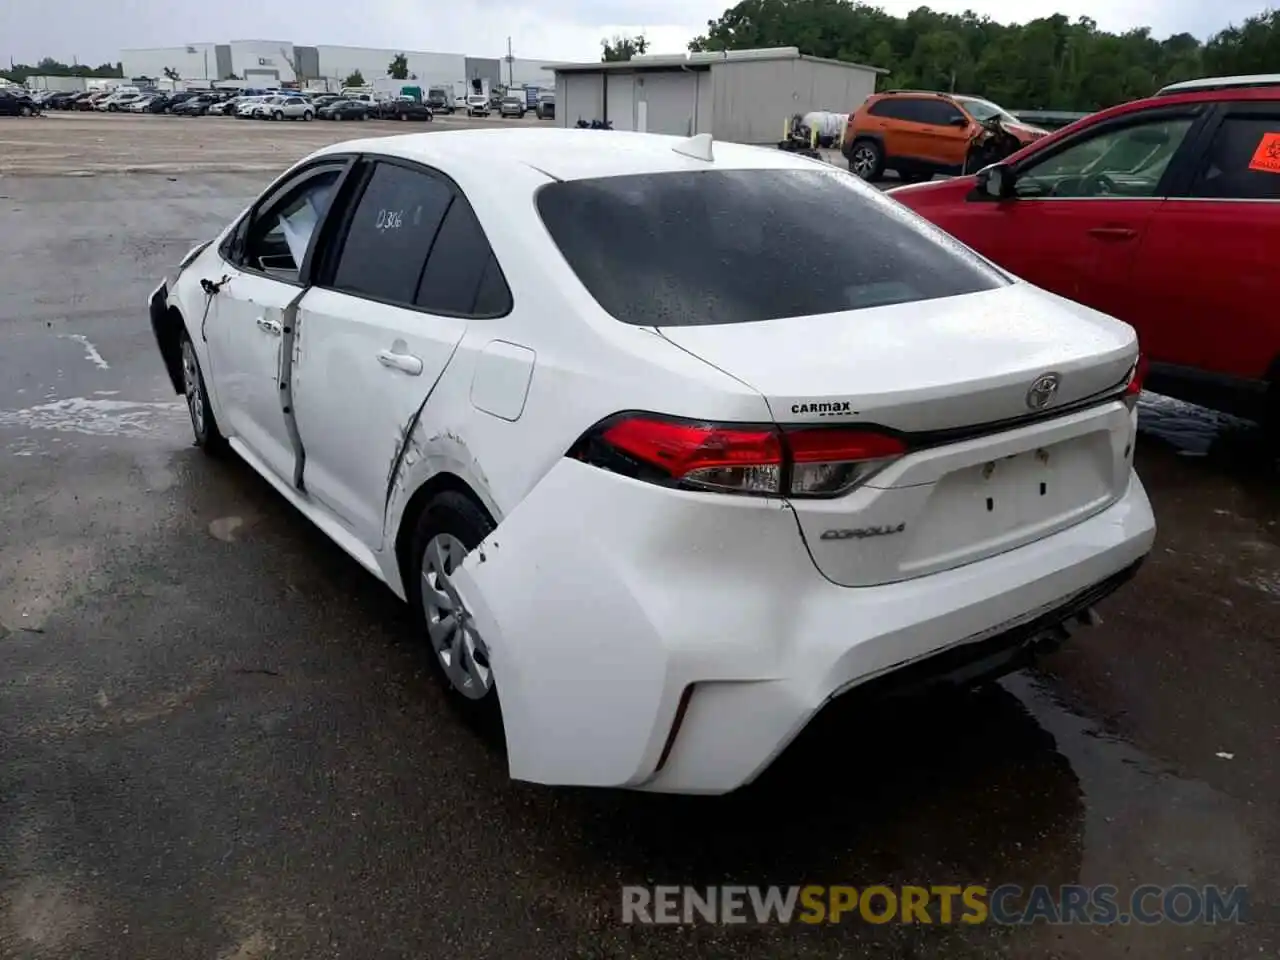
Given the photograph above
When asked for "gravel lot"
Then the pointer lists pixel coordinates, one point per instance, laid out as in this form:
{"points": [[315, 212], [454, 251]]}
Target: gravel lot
{"points": [[218, 738]]}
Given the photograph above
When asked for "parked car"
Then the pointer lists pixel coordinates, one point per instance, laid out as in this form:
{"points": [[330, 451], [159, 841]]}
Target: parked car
{"points": [[60, 100], [117, 102], [919, 133], [248, 105], [17, 104], [842, 465], [546, 107], [343, 110], [1178, 236], [325, 99], [144, 102], [460, 103], [477, 105], [512, 106], [439, 100], [284, 108], [92, 100], [402, 108], [196, 106]]}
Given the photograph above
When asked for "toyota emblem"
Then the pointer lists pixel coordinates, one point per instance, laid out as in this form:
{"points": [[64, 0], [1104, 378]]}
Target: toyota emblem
{"points": [[1042, 391]]}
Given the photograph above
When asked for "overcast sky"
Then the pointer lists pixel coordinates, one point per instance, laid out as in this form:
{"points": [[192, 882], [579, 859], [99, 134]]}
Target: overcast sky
{"points": [[93, 31]]}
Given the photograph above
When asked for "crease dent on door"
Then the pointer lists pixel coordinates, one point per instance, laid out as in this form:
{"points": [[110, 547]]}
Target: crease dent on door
{"points": [[289, 337], [409, 446]]}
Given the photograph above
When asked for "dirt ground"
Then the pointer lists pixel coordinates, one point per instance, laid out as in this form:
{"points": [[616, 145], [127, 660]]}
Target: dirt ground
{"points": [[220, 738]]}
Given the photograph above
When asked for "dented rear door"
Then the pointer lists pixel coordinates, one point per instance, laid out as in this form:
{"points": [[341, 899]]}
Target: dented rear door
{"points": [[362, 373], [375, 334]]}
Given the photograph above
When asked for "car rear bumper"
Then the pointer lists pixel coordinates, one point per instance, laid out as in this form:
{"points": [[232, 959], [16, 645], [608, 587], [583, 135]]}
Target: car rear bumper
{"points": [[677, 642]]}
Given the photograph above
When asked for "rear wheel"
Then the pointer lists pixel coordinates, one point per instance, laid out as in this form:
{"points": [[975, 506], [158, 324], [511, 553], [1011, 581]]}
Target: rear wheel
{"points": [[866, 159], [450, 527]]}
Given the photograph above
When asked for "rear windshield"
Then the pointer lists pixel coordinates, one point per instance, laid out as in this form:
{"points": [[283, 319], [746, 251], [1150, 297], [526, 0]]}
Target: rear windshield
{"points": [[733, 246]]}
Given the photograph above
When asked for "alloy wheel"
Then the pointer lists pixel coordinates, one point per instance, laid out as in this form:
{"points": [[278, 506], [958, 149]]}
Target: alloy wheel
{"points": [[863, 161], [192, 388], [454, 637]]}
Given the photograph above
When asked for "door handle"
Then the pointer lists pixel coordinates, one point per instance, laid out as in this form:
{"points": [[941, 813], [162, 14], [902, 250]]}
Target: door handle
{"points": [[270, 326], [404, 362], [1113, 233]]}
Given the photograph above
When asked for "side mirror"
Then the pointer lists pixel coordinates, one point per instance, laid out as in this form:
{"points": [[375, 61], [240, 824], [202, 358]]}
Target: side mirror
{"points": [[958, 121], [996, 181]]}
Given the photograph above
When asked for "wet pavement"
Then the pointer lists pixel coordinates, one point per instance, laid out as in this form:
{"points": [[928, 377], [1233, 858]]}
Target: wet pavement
{"points": [[218, 737]]}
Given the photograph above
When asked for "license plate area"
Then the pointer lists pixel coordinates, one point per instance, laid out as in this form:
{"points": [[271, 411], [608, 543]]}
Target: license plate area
{"points": [[997, 504]]}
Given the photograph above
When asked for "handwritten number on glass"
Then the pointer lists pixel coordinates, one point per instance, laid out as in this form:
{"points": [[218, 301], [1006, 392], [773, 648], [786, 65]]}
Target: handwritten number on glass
{"points": [[390, 219]]}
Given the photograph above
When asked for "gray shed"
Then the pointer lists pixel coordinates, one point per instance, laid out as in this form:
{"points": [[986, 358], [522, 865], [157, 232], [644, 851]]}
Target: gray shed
{"points": [[745, 96]]}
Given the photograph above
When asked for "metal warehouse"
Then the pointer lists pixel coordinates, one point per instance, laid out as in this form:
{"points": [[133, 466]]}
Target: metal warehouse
{"points": [[272, 62], [737, 95]]}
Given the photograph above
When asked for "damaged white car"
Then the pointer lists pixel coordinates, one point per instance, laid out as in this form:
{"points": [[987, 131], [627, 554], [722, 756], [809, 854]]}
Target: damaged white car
{"points": [[666, 443]]}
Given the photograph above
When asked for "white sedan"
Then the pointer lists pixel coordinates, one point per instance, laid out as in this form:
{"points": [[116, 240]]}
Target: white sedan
{"points": [[663, 454]]}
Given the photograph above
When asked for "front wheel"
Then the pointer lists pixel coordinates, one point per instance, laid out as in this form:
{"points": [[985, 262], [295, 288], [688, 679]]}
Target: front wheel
{"points": [[307, 116], [450, 527], [25, 110], [278, 115], [866, 159], [203, 423]]}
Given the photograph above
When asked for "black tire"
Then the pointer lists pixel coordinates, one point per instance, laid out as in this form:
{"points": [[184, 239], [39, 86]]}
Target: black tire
{"points": [[866, 159], [208, 436], [25, 110], [458, 515], [278, 115], [307, 115]]}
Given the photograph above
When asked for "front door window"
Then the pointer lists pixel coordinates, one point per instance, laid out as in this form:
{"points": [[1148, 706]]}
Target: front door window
{"points": [[1129, 162]]}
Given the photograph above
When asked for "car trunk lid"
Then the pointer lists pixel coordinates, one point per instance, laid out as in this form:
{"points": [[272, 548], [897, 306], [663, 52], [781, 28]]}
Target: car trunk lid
{"points": [[1005, 402]]}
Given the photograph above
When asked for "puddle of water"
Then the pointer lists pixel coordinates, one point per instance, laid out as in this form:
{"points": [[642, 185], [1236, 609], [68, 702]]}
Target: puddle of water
{"points": [[1142, 824], [99, 417]]}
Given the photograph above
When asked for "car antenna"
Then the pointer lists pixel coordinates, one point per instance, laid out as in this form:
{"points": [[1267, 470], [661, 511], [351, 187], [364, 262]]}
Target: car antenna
{"points": [[697, 146]]}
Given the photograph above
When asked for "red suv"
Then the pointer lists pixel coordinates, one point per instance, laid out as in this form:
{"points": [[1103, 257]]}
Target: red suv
{"points": [[1164, 213]]}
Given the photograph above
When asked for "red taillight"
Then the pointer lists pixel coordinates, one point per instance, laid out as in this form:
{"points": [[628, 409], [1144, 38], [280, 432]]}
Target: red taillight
{"points": [[813, 462], [745, 459]]}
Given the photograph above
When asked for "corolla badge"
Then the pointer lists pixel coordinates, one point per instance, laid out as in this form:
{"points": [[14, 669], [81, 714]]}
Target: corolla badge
{"points": [[1043, 390]]}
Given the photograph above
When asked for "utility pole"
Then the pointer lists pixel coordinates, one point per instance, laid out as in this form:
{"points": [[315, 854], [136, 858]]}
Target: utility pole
{"points": [[511, 66]]}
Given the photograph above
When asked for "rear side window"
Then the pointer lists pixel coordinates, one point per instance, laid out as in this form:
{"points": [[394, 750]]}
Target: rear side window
{"points": [[937, 112], [457, 269], [1243, 162], [391, 233], [735, 246]]}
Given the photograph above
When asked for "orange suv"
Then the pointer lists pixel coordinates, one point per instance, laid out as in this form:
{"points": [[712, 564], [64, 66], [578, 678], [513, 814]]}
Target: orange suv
{"points": [[918, 133]]}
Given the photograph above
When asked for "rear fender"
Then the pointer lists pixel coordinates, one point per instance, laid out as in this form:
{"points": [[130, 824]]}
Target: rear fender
{"points": [[598, 616]]}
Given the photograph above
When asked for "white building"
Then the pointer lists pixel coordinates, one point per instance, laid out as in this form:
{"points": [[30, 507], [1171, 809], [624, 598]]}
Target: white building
{"points": [[740, 95], [268, 63]]}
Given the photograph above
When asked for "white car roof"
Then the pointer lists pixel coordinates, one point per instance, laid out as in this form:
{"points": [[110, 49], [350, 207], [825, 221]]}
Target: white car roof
{"points": [[569, 154], [1222, 83]]}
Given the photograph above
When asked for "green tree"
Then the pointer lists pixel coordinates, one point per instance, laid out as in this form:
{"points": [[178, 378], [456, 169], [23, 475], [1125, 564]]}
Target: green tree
{"points": [[48, 67], [398, 68], [1048, 63], [623, 48], [356, 79]]}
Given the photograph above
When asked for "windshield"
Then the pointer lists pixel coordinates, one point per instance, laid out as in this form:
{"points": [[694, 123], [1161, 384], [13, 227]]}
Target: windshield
{"points": [[984, 110], [734, 246]]}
